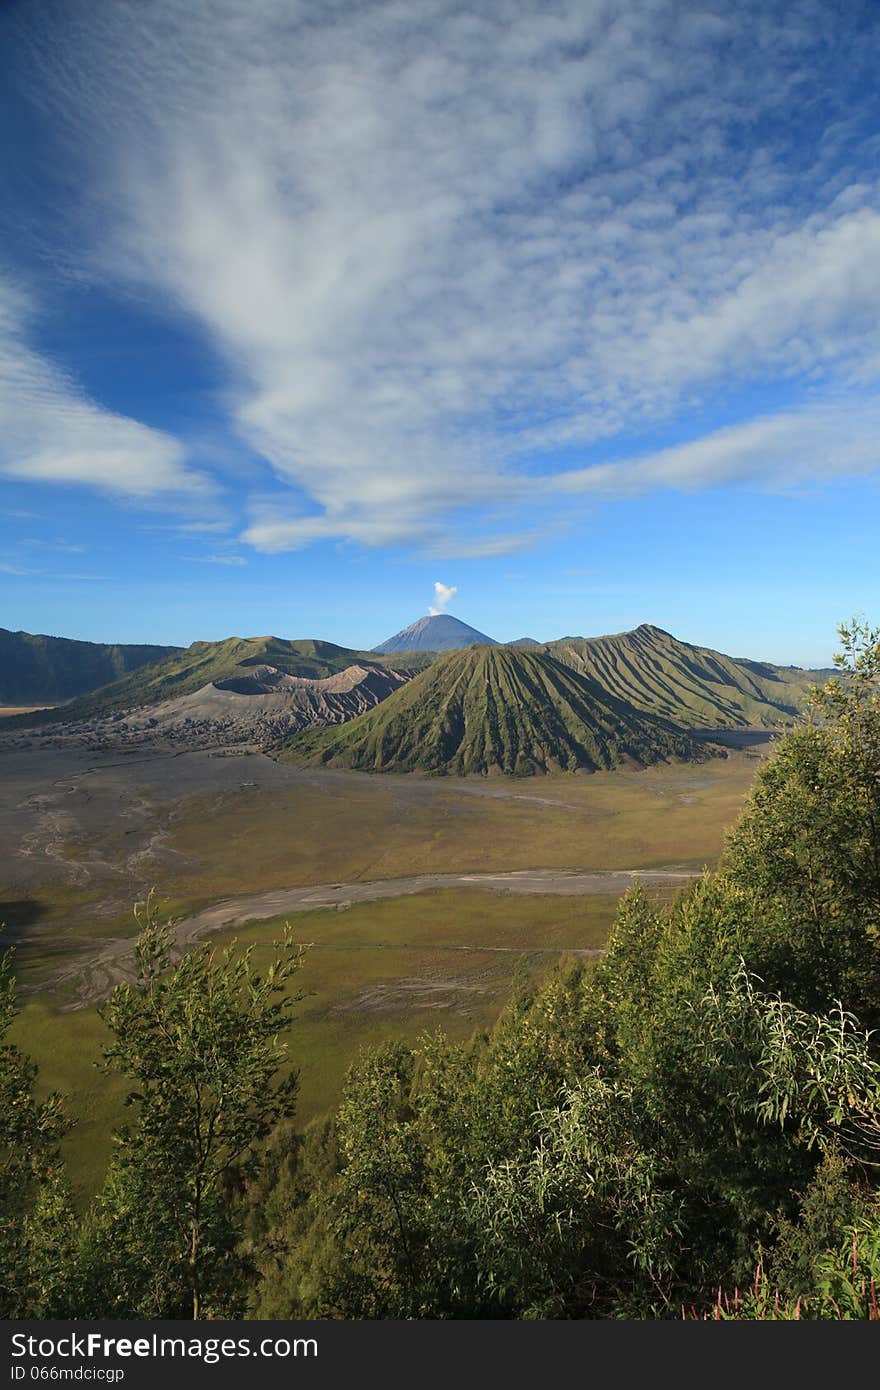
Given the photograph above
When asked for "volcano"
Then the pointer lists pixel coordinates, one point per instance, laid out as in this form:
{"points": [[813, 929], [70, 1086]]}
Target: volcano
{"points": [[492, 710], [438, 633]]}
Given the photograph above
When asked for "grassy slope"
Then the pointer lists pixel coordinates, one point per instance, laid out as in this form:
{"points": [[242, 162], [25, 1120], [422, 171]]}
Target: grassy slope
{"points": [[692, 686], [203, 662], [495, 709], [38, 670]]}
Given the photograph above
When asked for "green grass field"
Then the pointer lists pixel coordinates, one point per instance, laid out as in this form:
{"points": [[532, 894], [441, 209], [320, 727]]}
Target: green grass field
{"points": [[386, 827]]}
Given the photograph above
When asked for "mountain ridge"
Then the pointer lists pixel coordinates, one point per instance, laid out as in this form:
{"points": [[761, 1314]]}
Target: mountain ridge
{"points": [[696, 687], [649, 670], [37, 668], [190, 669], [491, 710]]}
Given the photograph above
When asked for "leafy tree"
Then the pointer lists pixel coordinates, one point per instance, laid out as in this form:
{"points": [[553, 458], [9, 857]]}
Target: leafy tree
{"points": [[807, 847], [288, 1227], [829, 1206], [582, 1227], [601, 1218], [36, 1222], [199, 1037], [814, 1073], [380, 1212]]}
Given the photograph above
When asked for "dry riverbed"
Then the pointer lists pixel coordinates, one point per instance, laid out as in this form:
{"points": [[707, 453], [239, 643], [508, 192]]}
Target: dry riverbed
{"points": [[91, 981]]}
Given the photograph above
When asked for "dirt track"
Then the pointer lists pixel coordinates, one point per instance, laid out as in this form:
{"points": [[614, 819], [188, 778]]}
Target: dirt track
{"points": [[112, 963], [255, 907]]}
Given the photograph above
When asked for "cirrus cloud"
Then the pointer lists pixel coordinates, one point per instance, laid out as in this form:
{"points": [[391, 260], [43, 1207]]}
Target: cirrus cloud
{"points": [[447, 253]]}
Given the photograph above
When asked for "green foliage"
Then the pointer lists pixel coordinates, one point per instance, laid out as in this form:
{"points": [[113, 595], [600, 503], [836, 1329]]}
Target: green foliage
{"points": [[844, 1277], [808, 846], [35, 1217], [285, 1204], [581, 1227], [467, 1182], [199, 1037], [381, 1208], [830, 1206]]}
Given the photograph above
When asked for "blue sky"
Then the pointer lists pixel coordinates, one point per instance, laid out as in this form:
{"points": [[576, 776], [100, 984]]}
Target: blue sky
{"points": [[572, 308]]}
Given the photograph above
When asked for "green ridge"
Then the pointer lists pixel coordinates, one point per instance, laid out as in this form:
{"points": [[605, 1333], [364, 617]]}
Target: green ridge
{"points": [[495, 709], [693, 686], [35, 669]]}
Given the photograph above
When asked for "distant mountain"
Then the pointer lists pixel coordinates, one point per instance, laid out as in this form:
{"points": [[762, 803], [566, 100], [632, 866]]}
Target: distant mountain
{"points": [[215, 663], [439, 633], [694, 687], [40, 670], [260, 705], [493, 710], [268, 688]]}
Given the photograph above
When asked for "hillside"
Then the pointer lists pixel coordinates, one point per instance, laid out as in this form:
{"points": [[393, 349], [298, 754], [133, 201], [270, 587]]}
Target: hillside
{"points": [[492, 710], [643, 672], [212, 663], [438, 633], [258, 706], [35, 669], [695, 687]]}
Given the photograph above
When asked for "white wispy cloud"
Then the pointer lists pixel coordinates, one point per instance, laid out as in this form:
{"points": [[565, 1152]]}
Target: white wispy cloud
{"points": [[815, 443], [51, 432], [22, 572], [42, 543], [435, 246], [216, 526], [216, 559]]}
